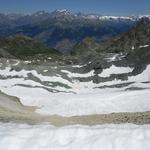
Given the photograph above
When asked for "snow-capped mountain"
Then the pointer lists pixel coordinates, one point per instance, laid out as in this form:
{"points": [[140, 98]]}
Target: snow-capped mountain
{"points": [[64, 11], [67, 12], [40, 13], [74, 27], [117, 18]]}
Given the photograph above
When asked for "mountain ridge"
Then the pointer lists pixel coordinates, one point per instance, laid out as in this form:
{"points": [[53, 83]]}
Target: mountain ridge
{"points": [[62, 27], [77, 14]]}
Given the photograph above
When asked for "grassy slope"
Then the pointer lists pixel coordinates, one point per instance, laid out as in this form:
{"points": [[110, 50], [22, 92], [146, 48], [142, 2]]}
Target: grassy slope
{"points": [[23, 47]]}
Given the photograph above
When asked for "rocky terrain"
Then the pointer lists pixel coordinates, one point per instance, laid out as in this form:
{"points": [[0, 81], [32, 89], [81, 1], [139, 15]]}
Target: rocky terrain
{"points": [[43, 91], [97, 83]]}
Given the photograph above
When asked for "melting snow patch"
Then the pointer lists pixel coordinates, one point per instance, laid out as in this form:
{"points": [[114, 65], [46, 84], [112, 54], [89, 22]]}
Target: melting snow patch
{"points": [[80, 75], [24, 73], [49, 58], [45, 70], [143, 77], [7, 72], [142, 46], [78, 66], [17, 63], [27, 62], [132, 47], [115, 70], [115, 57]]}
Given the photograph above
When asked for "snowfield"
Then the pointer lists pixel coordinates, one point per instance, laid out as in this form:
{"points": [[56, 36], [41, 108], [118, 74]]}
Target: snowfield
{"points": [[46, 137], [74, 98], [65, 104], [86, 97]]}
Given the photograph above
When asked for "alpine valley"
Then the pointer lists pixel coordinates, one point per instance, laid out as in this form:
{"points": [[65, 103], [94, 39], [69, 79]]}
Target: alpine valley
{"points": [[74, 81]]}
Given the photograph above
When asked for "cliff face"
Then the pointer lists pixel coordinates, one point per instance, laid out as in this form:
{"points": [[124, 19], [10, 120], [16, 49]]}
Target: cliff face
{"points": [[137, 37]]}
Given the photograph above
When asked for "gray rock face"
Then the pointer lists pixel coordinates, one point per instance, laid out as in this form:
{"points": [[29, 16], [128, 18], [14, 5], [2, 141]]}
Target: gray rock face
{"points": [[129, 49], [4, 53]]}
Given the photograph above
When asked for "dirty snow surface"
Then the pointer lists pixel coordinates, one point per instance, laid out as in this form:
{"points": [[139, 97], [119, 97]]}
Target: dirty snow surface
{"points": [[46, 137]]}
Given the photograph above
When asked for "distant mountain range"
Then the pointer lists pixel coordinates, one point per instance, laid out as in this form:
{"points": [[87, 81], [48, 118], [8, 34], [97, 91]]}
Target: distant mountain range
{"points": [[62, 29], [134, 44]]}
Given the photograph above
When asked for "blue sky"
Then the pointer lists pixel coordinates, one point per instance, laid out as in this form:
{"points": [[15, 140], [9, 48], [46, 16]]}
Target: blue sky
{"points": [[104, 7]]}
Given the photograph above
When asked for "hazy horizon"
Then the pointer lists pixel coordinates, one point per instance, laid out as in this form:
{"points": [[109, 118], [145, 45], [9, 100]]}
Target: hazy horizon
{"points": [[101, 7], [86, 13]]}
